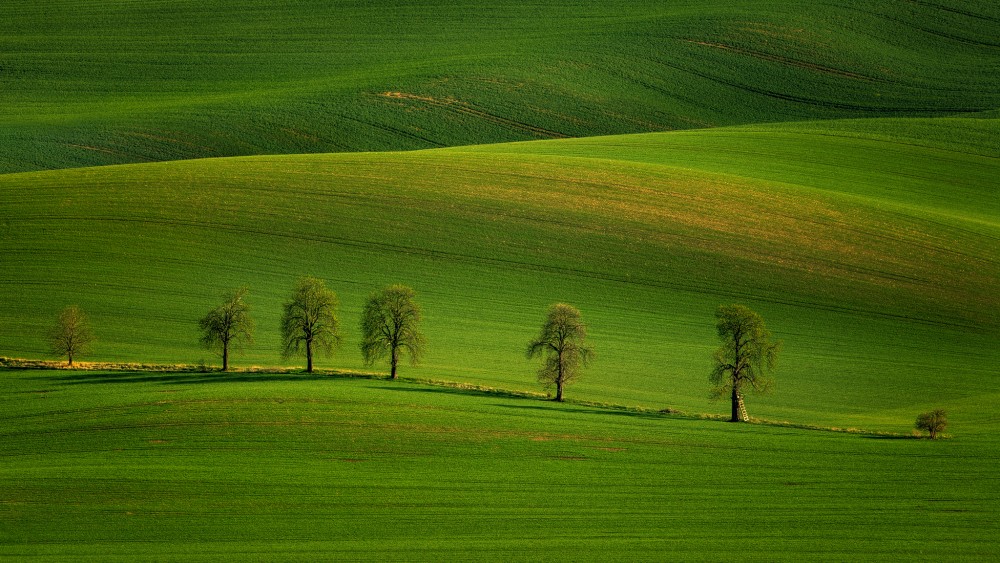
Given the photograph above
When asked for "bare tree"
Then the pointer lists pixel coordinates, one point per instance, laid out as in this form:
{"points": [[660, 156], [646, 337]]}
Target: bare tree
{"points": [[228, 325], [71, 336], [561, 346], [389, 326], [933, 422], [309, 322], [745, 356]]}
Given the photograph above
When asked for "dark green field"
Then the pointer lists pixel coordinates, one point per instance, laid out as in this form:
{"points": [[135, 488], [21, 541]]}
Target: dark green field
{"points": [[138, 466], [102, 82], [836, 168], [867, 281]]}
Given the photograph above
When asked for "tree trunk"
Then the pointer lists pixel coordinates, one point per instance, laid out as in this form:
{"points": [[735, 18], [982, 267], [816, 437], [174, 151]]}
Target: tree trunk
{"points": [[736, 406], [309, 357], [225, 357], [69, 357], [394, 361], [559, 375]]}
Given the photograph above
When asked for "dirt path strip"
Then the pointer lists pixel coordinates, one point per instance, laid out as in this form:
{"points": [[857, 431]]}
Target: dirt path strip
{"points": [[458, 106], [785, 61]]}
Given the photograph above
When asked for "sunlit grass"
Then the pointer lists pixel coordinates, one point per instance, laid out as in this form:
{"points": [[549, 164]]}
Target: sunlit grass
{"points": [[141, 465], [117, 82], [871, 283]]}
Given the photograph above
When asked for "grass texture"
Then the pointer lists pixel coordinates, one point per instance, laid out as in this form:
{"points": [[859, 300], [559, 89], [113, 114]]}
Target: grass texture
{"points": [[99, 82], [835, 166], [875, 260], [133, 465]]}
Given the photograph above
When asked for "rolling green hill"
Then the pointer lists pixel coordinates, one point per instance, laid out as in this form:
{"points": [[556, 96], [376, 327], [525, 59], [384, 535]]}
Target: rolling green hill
{"points": [[874, 258], [98, 82], [126, 466], [834, 166]]}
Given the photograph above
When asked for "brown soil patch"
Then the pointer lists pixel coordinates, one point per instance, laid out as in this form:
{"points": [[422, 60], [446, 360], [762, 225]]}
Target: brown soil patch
{"points": [[783, 60], [95, 149], [466, 108]]}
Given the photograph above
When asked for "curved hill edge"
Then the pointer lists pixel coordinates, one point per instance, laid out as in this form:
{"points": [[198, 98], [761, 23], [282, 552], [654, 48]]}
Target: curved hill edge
{"points": [[105, 83], [489, 237]]}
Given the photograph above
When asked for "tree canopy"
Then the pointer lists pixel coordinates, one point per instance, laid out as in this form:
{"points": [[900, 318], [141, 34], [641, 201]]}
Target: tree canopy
{"points": [[390, 326], [228, 326], [561, 345], [934, 422], [309, 322], [71, 336], [745, 357]]}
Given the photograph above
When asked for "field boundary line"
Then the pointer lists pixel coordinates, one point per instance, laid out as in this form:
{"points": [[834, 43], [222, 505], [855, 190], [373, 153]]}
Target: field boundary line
{"points": [[469, 388]]}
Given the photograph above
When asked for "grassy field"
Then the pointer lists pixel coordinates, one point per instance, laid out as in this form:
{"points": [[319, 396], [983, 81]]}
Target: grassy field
{"points": [[875, 260], [133, 465], [835, 167], [98, 82]]}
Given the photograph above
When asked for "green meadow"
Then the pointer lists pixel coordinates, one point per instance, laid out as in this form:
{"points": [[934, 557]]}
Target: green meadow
{"points": [[866, 281], [132, 465], [884, 294], [835, 168], [99, 82]]}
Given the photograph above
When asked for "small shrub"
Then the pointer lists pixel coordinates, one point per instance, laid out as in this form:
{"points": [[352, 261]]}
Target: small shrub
{"points": [[933, 422]]}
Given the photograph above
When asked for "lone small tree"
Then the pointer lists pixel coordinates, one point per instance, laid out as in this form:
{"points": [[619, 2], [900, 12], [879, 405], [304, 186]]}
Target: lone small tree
{"points": [[309, 322], [71, 336], [228, 325], [745, 356], [561, 346], [933, 422], [389, 326]]}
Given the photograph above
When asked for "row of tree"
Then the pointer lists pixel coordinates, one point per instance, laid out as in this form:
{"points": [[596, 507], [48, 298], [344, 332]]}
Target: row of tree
{"points": [[309, 325], [390, 328]]}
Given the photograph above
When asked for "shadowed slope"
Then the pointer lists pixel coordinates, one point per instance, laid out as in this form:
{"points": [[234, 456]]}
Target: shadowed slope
{"points": [[117, 82], [880, 285], [270, 468]]}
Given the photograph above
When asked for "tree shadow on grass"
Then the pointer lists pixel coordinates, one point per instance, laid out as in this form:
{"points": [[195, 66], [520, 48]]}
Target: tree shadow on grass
{"points": [[539, 403], [551, 406], [183, 378], [465, 391]]}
